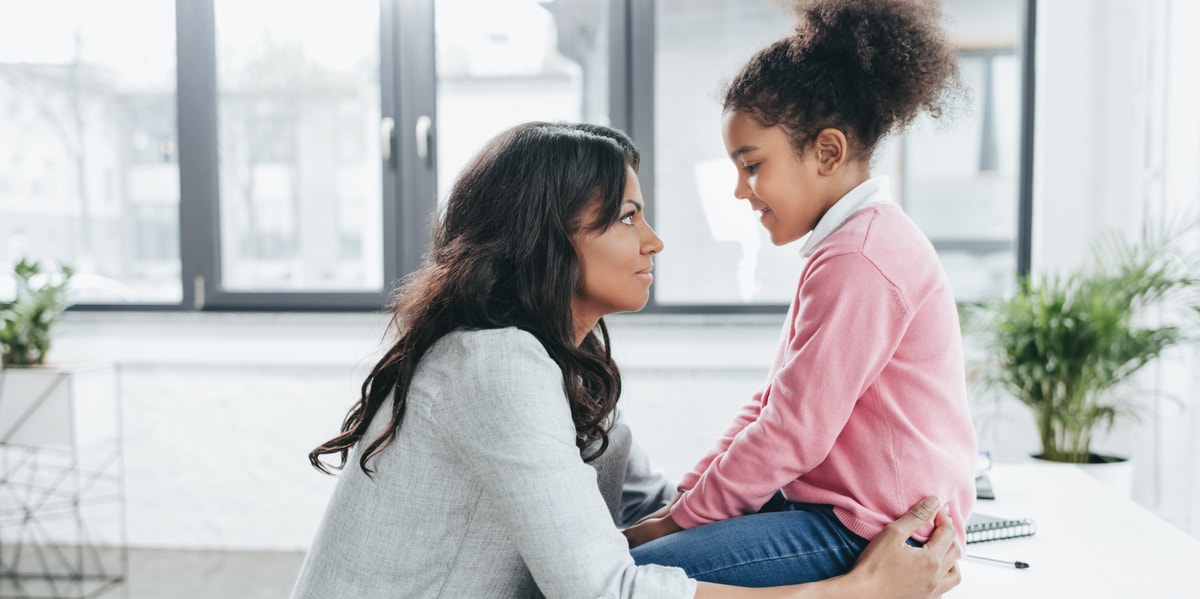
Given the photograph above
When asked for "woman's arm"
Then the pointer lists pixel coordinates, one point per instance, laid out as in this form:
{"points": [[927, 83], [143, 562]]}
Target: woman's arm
{"points": [[889, 568], [644, 489]]}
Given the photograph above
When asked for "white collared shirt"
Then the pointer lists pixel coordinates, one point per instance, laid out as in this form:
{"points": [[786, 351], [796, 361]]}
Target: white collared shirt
{"points": [[875, 190]]}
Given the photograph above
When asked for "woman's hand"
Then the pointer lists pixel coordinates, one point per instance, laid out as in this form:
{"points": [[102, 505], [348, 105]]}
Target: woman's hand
{"points": [[889, 567]]}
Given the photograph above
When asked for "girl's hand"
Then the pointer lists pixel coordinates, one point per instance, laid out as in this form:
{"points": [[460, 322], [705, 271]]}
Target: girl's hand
{"points": [[662, 511], [651, 527]]}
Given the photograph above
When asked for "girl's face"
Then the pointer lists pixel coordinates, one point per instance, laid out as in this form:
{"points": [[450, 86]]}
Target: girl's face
{"points": [[615, 264], [788, 192]]}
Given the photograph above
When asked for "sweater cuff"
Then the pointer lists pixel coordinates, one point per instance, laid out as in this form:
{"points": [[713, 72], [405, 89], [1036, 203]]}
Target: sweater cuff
{"points": [[688, 482], [683, 515]]}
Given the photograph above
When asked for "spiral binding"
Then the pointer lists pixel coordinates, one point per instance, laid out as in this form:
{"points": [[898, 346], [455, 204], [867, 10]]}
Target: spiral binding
{"points": [[996, 529]]}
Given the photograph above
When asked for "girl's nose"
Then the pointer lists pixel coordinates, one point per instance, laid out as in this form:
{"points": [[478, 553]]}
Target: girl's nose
{"points": [[742, 191]]}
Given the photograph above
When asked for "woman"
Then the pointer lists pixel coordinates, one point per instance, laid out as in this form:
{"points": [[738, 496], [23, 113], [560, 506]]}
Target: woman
{"points": [[471, 434]]}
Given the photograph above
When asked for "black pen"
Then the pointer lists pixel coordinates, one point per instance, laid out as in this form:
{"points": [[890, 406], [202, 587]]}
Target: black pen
{"points": [[1017, 565]]}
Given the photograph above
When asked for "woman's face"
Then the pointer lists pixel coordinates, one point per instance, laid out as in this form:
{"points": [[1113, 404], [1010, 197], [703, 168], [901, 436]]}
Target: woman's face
{"points": [[787, 191], [615, 264]]}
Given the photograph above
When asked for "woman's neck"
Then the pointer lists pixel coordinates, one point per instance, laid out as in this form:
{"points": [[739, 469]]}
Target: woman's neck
{"points": [[582, 328]]}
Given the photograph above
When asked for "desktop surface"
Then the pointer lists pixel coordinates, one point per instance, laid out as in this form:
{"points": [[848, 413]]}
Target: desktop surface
{"points": [[1090, 542]]}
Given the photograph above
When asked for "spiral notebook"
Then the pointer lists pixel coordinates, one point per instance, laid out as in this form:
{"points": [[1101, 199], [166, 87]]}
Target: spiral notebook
{"points": [[981, 527]]}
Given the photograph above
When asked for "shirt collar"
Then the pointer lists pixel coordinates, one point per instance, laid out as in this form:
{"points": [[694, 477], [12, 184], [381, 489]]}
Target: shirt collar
{"points": [[875, 190]]}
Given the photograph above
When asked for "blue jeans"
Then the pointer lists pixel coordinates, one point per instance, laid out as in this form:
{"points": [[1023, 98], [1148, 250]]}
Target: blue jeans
{"points": [[784, 543]]}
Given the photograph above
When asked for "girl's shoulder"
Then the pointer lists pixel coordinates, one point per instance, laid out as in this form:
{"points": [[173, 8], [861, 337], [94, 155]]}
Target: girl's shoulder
{"points": [[872, 226]]}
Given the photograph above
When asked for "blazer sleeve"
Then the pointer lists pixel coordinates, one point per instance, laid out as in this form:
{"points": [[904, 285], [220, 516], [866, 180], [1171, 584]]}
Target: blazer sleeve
{"points": [[507, 420], [645, 489]]}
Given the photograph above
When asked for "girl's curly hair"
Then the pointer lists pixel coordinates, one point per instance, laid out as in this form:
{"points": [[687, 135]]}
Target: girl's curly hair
{"points": [[864, 67]]}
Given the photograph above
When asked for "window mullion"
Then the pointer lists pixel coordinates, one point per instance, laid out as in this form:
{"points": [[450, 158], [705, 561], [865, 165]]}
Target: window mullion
{"points": [[197, 122]]}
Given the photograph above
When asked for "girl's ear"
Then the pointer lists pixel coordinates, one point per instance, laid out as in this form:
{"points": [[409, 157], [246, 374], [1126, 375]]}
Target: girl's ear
{"points": [[830, 149]]}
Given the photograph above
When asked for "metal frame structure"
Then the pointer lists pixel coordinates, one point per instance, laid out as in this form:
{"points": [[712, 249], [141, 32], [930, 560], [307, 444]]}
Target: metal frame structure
{"points": [[62, 500]]}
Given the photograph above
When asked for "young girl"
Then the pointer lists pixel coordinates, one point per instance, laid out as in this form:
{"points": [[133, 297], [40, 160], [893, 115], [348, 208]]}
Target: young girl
{"points": [[865, 407], [467, 448]]}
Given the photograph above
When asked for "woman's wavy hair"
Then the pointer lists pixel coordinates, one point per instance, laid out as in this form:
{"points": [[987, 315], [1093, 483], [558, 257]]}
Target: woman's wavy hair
{"points": [[502, 257], [865, 67]]}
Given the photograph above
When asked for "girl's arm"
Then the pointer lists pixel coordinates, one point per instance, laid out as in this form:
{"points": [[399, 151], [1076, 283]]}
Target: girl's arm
{"points": [[846, 325], [749, 413]]}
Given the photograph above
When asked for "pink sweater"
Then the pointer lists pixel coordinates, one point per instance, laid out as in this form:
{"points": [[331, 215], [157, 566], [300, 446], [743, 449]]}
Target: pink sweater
{"points": [[865, 407]]}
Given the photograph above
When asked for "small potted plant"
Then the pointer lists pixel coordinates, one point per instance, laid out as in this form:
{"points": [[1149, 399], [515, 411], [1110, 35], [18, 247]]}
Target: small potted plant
{"points": [[39, 301], [1067, 346]]}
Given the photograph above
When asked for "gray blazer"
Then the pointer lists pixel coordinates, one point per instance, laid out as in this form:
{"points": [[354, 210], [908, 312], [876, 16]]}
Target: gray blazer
{"points": [[483, 493]]}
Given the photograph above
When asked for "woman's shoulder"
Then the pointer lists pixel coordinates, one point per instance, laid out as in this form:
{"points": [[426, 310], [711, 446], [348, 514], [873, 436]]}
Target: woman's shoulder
{"points": [[497, 375], [486, 357], [488, 345]]}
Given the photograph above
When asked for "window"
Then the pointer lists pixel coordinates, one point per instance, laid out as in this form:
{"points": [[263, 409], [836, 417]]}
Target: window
{"points": [[960, 178], [284, 154], [298, 112], [89, 164], [716, 252], [500, 64]]}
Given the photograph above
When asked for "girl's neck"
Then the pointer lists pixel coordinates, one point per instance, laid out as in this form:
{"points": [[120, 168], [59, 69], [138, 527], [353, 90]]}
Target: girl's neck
{"points": [[851, 175]]}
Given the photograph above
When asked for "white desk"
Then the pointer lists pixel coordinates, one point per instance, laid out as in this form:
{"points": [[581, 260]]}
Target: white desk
{"points": [[1090, 542]]}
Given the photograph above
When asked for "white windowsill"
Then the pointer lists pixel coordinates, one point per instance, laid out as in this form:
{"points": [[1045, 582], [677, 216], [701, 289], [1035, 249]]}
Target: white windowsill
{"points": [[640, 341]]}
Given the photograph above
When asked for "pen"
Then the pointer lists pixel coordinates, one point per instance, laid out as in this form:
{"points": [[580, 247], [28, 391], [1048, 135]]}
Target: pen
{"points": [[1017, 565]]}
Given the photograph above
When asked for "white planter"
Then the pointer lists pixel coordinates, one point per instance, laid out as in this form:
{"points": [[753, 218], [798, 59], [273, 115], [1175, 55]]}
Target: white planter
{"points": [[1115, 472]]}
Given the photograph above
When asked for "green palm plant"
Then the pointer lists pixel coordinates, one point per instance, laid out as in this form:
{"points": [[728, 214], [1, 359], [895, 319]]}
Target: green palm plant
{"points": [[1065, 345], [26, 321]]}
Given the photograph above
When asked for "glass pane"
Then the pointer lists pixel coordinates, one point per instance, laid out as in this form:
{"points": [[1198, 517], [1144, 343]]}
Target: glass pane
{"points": [[716, 252], [89, 174], [505, 62], [298, 114], [960, 174]]}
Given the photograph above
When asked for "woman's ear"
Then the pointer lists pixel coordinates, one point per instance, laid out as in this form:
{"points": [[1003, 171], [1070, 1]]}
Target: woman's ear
{"points": [[831, 150]]}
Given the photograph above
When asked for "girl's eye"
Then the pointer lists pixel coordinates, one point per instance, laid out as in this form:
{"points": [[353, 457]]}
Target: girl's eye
{"points": [[627, 219], [750, 168]]}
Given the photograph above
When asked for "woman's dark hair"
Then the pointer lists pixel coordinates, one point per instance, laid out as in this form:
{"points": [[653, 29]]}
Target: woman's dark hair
{"points": [[864, 67], [502, 257]]}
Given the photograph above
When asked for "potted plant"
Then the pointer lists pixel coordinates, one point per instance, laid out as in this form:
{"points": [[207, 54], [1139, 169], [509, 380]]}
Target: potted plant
{"points": [[1067, 346], [39, 301]]}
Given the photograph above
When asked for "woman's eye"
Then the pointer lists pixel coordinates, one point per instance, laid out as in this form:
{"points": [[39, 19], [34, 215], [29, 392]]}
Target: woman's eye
{"points": [[627, 219], [750, 168]]}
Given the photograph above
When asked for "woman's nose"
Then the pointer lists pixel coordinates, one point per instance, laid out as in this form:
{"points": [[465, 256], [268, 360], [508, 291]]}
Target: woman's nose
{"points": [[651, 244]]}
